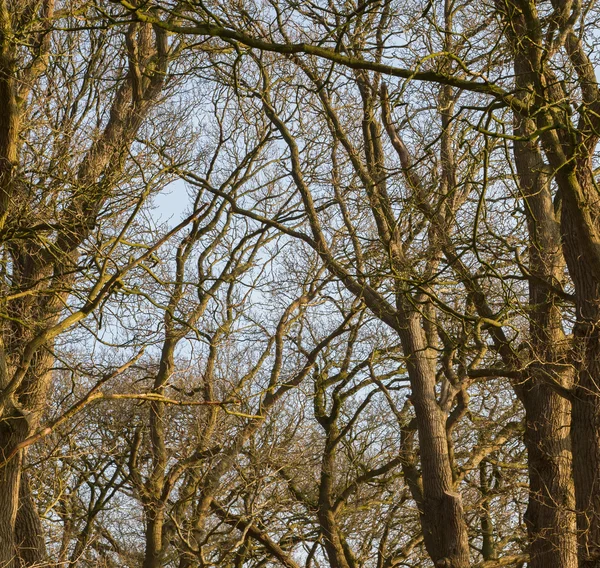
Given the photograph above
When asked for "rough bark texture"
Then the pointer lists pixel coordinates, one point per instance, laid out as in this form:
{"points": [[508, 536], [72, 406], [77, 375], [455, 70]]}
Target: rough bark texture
{"points": [[10, 433], [10, 478], [154, 542], [28, 527], [580, 225], [442, 517], [550, 515], [550, 519], [569, 152], [586, 402]]}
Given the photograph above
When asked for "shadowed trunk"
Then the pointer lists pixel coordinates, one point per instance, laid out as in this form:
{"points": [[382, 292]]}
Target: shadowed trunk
{"points": [[28, 529], [586, 400], [10, 478]]}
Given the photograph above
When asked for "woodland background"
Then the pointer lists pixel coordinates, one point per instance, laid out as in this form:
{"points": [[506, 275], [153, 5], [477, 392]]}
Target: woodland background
{"points": [[372, 337]]}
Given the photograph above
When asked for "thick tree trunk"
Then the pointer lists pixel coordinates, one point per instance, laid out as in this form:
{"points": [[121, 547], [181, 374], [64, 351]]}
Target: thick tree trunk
{"points": [[442, 518], [21, 534], [10, 478], [586, 445], [154, 542], [586, 402], [28, 528], [569, 150], [550, 519], [20, 526], [10, 472], [332, 541]]}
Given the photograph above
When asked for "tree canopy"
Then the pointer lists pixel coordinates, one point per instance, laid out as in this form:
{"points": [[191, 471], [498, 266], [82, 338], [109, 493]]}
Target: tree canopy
{"points": [[300, 284]]}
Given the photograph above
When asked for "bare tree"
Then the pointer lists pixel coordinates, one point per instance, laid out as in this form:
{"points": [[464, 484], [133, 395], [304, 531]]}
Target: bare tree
{"points": [[73, 105], [387, 274]]}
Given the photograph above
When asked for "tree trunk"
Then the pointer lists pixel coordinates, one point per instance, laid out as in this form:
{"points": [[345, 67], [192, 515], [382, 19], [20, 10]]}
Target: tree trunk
{"points": [[586, 402], [10, 478], [442, 518], [154, 541], [549, 518], [569, 151], [329, 526], [21, 533], [28, 530]]}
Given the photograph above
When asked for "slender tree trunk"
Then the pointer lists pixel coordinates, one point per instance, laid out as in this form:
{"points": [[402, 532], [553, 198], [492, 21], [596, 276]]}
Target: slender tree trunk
{"points": [[442, 517], [329, 526], [153, 504], [488, 548]]}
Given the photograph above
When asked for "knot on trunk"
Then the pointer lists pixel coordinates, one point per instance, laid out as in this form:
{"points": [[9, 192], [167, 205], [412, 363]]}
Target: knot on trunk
{"points": [[443, 563]]}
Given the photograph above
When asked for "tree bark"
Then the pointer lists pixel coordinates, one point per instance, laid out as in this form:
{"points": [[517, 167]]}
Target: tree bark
{"points": [[569, 150], [154, 542], [442, 517], [549, 518], [586, 401], [10, 478], [25, 370], [28, 528]]}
